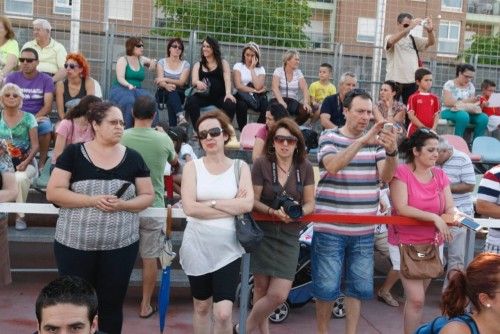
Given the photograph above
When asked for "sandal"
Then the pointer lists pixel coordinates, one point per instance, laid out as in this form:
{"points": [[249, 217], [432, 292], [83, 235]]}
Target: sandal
{"points": [[387, 298]]}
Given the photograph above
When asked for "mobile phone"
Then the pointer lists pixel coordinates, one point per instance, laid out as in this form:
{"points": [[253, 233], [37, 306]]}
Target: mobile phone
{"points": [[388, 126], [122, 189], [469, 223]]}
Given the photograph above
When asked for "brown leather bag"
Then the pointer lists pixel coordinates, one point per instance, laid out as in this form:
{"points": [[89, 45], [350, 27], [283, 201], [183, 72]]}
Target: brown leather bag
{"points": [[420, 261]]}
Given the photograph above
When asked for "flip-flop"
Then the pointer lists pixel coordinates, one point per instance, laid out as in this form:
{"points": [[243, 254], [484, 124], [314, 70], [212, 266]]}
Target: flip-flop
{"points": [[154, 309]]}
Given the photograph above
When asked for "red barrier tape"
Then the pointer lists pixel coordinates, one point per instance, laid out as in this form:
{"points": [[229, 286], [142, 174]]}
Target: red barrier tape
{"points": [[347, 219]]}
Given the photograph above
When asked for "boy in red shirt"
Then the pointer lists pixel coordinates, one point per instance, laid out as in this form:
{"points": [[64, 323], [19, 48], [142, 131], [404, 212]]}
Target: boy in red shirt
{"points": [[488, 88], [423, 106]]}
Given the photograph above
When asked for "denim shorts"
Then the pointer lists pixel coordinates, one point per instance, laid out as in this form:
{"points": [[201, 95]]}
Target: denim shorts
{"points": [[329, 254], [44, 126]]}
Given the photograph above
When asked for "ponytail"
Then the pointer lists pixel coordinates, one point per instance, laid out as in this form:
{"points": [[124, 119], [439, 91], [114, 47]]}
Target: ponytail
{"points": [[454, 299]]}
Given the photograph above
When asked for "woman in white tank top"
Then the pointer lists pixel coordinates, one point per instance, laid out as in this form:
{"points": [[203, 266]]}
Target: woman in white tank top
{"points": [[210, 252]]}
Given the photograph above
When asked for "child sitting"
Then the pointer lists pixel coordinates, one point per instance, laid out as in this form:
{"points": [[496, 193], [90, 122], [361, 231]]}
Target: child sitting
{"points": [[320, 89], [488, 88]]}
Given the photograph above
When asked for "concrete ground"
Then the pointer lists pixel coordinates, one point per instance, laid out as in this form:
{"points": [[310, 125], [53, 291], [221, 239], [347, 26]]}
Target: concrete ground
{"points": [[17, 311]]}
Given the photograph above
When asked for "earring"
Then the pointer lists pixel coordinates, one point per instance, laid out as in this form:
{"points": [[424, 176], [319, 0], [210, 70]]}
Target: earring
{"points": [[488, 305]]}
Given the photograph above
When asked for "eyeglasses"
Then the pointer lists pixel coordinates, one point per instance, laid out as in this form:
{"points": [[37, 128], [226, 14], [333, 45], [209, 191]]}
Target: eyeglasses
{"points": [[406, 25], [14, 95], [468, 76], [27, 60], [139, 45], [176, 46], [279, 139], [213, 132], [72, 66]]}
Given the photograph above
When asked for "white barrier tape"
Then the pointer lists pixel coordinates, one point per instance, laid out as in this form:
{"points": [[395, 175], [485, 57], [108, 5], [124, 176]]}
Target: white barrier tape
{"points": [[42, 208]]}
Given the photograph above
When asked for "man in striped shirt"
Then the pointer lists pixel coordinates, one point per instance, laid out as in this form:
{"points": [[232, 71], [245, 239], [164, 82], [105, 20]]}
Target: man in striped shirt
{"points": [[488, 204], [458, 167], [353, 160]]}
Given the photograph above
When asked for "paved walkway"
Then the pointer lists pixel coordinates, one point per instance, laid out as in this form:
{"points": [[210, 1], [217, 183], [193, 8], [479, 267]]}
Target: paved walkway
{"points": [[17, 312]]}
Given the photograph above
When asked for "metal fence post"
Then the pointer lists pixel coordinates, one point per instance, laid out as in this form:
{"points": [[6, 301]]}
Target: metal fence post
{"points": [[244, 292]]}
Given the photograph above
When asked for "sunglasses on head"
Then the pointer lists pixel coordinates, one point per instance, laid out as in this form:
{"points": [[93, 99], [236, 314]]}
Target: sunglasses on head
{"points": [[176, 46], [72, 66], [27, 60], [427, 131], [14, 95], [139, 45], [281, 139], [213, 132]]}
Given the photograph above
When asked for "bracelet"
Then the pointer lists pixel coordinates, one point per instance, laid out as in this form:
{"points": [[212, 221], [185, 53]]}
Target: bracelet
{"points": [[393, 154]]}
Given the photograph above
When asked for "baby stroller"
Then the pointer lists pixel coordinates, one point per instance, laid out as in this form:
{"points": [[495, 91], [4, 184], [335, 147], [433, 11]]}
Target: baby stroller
{"points": [[301, 292]]}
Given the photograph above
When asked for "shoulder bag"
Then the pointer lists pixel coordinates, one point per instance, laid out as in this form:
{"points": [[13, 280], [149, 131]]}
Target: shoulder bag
{"points": [[249, 234], [420, 62]]}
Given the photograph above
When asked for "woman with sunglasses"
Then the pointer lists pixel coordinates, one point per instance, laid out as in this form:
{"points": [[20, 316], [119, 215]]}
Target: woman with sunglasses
{"points": [[274, 113], [9, 48], [419, 190], [130, 73], [283, 171], [249, 80], [211, 78], [478, 285], [461, 104], [77, 84], [210, 253], [288, 80], [19, 129], [172, 75]]}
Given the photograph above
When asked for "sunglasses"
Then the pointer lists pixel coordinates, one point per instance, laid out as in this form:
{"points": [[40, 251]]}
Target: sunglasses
{"points": [[281, 139], [27, 60], [72, 66], [406, 25], [14, 95], [428, 131], [176, 46], [213, 132], [139, 45]]}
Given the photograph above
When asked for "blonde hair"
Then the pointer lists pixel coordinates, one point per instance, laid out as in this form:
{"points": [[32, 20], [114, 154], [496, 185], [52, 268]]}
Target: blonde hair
{"points": [[289, 55], [10, 87]]}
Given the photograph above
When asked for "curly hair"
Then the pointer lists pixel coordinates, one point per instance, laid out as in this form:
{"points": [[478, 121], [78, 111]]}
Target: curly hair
{"points": [[214, 44], [82, 62]]}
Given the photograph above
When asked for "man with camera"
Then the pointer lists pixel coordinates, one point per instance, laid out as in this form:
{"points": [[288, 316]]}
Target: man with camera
{"points": [[353, 160]]}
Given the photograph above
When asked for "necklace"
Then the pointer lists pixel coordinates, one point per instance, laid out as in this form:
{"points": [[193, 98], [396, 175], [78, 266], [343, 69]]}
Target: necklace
{"points": [[287, 172]]}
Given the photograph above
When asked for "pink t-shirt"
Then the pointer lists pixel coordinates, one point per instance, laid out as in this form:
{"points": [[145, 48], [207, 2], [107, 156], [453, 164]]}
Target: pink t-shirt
{"points": [[262, 133], [424, 196], [74, 133]]}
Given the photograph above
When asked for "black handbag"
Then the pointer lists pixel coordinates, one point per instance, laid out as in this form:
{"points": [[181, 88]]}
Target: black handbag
{"points": [[249, 234]]}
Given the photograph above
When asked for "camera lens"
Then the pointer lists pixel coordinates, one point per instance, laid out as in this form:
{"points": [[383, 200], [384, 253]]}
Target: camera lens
{"points": [[292, 209]]}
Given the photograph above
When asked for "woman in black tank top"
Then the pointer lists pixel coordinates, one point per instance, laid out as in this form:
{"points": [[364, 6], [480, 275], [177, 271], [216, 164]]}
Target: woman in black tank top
{"points": [[77, 84], [211, 78]]}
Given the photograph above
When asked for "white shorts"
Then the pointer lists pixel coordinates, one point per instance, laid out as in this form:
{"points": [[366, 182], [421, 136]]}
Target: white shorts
{"points": [[396, 256]]}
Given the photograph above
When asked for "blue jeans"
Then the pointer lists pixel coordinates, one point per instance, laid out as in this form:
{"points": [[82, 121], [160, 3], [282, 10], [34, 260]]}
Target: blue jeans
{"points": [[463, 118], [329, 254], [124, 98], [174, 101]]}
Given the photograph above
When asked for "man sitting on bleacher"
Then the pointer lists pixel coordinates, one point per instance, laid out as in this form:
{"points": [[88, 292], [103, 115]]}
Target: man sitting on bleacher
{"points": [[38, 91]]}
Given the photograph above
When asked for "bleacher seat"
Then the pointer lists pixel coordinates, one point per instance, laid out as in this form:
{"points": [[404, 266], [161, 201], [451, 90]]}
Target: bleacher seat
{"points": [[460, 144], [247, 137], [488, 148]]}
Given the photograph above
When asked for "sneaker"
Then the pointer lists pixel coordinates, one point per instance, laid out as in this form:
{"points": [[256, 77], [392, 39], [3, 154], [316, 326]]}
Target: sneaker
{"points": [[181, 120], [21, 224]]}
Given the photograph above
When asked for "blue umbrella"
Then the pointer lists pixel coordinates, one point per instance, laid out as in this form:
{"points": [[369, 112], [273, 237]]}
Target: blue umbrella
{"points": [[166, 257]]}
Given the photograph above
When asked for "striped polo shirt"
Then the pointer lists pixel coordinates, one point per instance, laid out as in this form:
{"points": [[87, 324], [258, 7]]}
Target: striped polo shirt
{"points": [[489, 190], [460, 170], [354, 190]]}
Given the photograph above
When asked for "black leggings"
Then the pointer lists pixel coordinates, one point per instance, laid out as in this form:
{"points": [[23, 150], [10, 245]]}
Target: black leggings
{"points": [[196, 101], [109, 273]]}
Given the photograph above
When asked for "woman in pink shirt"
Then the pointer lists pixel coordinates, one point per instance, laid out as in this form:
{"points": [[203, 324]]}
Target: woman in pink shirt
{"points": [[419, 190], [74, 128]]}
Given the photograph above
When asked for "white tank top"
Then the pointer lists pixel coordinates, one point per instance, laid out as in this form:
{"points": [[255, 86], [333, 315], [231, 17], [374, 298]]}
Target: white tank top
{"points": [[210, 244]]}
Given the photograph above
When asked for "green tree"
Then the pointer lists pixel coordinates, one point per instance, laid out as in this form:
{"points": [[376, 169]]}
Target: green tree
{"points": [[487, 48], [267, 22]]}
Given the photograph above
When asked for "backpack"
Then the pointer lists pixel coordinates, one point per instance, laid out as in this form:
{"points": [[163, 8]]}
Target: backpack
{"points": [[435, 326]]}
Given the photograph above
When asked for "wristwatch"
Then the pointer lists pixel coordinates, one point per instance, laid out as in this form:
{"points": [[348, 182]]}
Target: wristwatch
{"points": [[213, 203], [392, 154]]}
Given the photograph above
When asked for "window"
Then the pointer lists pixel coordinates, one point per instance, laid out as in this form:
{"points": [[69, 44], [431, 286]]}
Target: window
{"points": [[366, 30], [19, 7], [451, 5], [62, 7], [121, 9], [449, 37], [315, 33]]}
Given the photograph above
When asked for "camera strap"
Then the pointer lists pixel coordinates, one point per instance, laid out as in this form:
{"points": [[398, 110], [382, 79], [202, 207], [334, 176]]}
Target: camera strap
{"points": [[277, 186]]}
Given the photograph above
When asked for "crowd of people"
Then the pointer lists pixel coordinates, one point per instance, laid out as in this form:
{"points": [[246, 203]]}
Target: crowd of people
{"points": [[110, 157]]}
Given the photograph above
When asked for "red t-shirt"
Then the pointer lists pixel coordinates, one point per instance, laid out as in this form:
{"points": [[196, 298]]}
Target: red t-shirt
{"points": [[425, 105], [490, 111]]}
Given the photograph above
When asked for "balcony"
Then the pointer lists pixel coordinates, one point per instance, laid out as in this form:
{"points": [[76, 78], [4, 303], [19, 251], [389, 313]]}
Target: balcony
{"points": [[484, 7]]}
